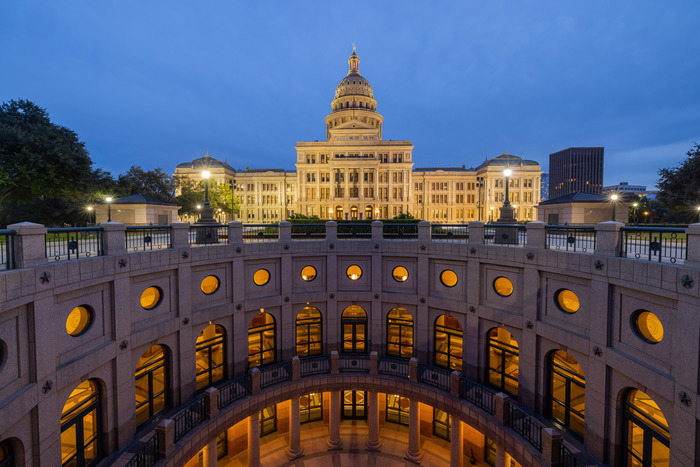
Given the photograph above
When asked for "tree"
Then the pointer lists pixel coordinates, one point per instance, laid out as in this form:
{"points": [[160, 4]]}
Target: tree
{"points": [[192, 194], [155, 183], [679, 188]]}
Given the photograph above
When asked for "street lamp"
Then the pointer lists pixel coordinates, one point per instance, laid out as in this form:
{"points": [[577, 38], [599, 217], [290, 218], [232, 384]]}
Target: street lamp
{"points": [[109, 208], [698, 209], [613, 198], [506, 215], [89, 210], [205, 176], [479, 186], [635, 205]]}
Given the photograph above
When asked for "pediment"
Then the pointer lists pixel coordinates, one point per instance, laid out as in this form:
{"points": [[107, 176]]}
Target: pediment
{"points": [[354, 125]]}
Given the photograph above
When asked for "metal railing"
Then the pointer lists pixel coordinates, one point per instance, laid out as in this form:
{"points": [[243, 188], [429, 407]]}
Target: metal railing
{"points": [[392, 231], [309, 366], [434, 376], [662, 244], [566, 457], [275, 373], [148, 238], [308, 231], [7, 249], [570, 238], [234, 390], [476, 394], [64, 244], [394, 366], [254, 233], [208, 234], [353, 231], [348, 363], [525, 425], [188, 418], [505, 235], [451, 233], [147, 454]]}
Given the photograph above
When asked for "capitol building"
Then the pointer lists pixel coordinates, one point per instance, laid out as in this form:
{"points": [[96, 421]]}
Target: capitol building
{"points": [[356, 174]]}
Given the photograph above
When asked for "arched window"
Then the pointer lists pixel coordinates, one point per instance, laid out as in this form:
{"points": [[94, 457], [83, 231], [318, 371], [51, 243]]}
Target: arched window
{"points": [[151, 384], [261, 340], [646, 431], [7, 455], [81, 426], [567, 391], [309, 332], [399, 333], [353, 322], [503, 359], [448, 342], [210, 352]]}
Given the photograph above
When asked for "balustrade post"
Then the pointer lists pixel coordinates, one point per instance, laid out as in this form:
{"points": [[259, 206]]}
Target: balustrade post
{"points": [[285, 232], [377, 231], [424, 231], [501, 402], [693, 246], [551, 440], [454, 384], [335, 363], [373, 363], [331, 231], [165, 431], [211, 403], [254, 380], [607, 241], [476, 233], [413, 369], [29, 244], [296, 368], [536, 235], [179, 235], [114, 238], [235, 232]]}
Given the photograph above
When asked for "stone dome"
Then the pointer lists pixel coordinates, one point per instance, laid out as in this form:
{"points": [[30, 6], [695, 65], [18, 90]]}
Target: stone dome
{"points": [[353, 84]]}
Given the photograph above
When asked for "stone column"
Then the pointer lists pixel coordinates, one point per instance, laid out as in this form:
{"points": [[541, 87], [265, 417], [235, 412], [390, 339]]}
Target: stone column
{"points": [[209, 456], [693, 247], [179, 235], [373, 443], [456, 444], [285, 231], [424, 231], [501, 456], [607, 242], [536, 235], [254, 440], [114, 241], [294, 450], [414, 454], [334, 442], [476, 233], [29, 245]]}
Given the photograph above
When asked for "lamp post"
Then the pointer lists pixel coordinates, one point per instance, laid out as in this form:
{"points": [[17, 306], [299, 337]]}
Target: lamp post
{"points": [[232, 182], [109, 208], [698, 210], [479, 186], [613, 198], [507, 210], [89, 210], [634, 212], [207, 213]]}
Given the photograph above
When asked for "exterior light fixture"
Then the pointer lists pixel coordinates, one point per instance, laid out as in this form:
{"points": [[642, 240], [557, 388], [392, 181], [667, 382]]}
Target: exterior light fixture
{"points": [[109, 208], [613, 198]]}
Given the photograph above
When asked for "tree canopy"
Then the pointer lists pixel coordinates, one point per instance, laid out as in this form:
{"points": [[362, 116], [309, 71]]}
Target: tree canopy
{"points": [[679, 188], [155, 183]]}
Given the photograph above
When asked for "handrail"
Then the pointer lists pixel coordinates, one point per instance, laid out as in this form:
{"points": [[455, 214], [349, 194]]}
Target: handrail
{"points": [[147, 237], [66, 243], [188, 418], [575, 238], [654, 243]]}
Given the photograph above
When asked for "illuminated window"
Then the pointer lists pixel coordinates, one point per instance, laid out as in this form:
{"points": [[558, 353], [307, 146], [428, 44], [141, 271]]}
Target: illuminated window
{"points": [[151, 384], [399, 333], [151, 297], [308, 273], [567, 301], [261, 277], [7, 455], [81, 430], [78, 321], [261, 340], [503, 286], [397, 409], [353, 322], [268, 420], [311, 407], [210, 356], [209, 285], [448, 343], [354, 405], [309, 332], [503, 355], [646, 435], [442, 424], [648, 326], [567, 390], [221, 446], [354, 272], [448, 278], [400, 274]]}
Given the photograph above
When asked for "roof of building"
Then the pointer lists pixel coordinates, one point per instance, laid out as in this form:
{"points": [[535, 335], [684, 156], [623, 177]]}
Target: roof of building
{"points": [[141, 199], [247, 170], [578, 197], [206, 162], [508, 160], [446, 169], [354, 84]]}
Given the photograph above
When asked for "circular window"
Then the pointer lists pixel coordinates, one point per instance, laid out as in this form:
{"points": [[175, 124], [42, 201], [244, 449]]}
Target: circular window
{"points": [[648, 326], [400, 274], [79, 320], [308, 273], [354, 272], [209, 285], [503, 286], [448, 278], [261, 277], [567, 301], [151, 297]]}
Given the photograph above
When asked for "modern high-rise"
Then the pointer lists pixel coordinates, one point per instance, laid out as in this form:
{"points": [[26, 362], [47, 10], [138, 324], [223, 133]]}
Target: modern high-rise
{"points": [[575, 169]]}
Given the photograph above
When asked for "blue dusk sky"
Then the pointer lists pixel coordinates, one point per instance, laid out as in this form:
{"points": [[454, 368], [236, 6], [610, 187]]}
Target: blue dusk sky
{"points": [[155, 83]]}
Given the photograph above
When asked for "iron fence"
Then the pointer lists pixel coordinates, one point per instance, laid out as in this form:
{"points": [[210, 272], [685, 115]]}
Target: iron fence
{"points": [[452, 233], [505, 234], [352, 231], [434, 376], [525, 425], [275, 373], [567, 458], [662, 244], [254, 233], [64, 244], [309, 366], [188, 418], [392, 231], [570, 238], [234, 390], [308, 231], [476, 394], [208, 234], [358, 363], [7, 249], [148, 238], [147, 455], [394, 366]]}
